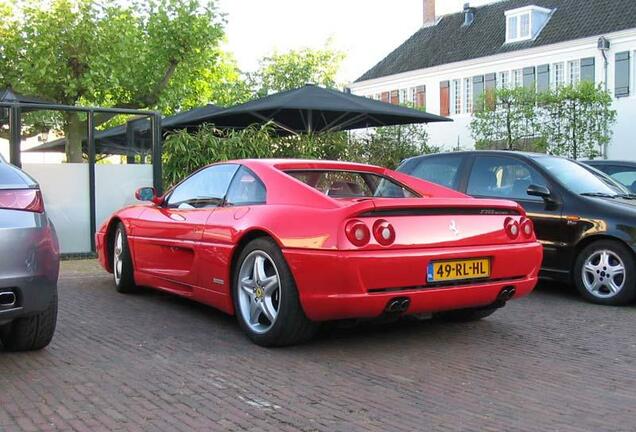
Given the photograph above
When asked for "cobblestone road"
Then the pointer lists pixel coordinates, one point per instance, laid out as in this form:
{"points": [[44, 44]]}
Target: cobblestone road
{"points": [[155, 362]]}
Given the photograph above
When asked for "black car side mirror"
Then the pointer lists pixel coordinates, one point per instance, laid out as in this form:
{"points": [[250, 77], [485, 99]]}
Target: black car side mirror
{"points": [[539, 191]]}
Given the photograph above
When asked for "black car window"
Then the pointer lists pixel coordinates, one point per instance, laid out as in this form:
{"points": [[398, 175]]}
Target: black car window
{"points": [[503, 177], [203, 189], [440, 169], [246, 189], [622, 174]]}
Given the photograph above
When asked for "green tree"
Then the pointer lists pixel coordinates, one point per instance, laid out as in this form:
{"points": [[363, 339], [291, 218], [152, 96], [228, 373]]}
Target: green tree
{"points": [[509, 120], [576, 120], [156, 54], [285, 71]]}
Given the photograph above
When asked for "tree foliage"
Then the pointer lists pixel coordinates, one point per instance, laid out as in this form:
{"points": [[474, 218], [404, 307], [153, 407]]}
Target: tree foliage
{"points": [[508, 119], [285, 71], [577, 120], [572, 121], [157, 54]]}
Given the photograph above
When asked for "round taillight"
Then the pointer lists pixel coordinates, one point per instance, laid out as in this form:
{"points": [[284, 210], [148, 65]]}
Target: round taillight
{"points": [[512, 228], [527, 228], [357, 233], [383, 232]]}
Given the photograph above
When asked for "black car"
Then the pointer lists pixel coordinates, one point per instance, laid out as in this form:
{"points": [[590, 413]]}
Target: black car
{"points": [[585, 221], [622, 171]]}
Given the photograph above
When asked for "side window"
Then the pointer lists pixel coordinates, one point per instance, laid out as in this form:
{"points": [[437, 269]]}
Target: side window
{"points": [[625, 176], [503, 177], [246, 189], [441, 170], [203, 189]]}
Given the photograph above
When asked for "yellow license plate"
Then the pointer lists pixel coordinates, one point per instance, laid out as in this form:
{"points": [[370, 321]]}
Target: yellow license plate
{"points": [[444, 271]]}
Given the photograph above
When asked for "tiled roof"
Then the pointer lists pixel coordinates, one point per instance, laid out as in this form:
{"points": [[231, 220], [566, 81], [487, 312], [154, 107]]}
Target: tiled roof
{"points": [[449, 41]]}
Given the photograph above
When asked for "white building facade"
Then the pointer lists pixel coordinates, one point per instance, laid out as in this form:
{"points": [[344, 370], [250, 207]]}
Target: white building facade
{"points": [[515, 59]]}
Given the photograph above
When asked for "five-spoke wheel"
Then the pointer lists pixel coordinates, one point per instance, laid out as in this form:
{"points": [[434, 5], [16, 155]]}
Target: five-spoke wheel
{"points": [[604, 273], [265, 297], [122, 263]]}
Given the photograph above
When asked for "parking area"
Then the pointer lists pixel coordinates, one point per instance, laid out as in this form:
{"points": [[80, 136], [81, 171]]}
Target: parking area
{"points": [[156, 362]]}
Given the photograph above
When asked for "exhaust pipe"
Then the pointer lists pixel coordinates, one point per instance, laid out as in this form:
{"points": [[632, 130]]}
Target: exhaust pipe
{"points": [[506, 294], [398, 305], [7, 299]]}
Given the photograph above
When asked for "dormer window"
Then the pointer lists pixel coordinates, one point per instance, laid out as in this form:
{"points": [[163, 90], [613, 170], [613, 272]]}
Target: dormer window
{"points": [[525, 23]]}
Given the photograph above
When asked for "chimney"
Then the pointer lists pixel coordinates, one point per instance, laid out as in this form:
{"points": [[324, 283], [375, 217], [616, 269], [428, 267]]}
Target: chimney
{"points": [[429, 13]]}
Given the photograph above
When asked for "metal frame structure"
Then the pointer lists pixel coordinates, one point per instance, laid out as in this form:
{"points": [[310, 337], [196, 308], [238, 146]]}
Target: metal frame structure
{"points": [[15, 139]]}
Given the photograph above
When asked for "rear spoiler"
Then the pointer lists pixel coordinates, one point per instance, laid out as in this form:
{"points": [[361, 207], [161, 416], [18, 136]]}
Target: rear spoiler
{"points": [[379, 207]]}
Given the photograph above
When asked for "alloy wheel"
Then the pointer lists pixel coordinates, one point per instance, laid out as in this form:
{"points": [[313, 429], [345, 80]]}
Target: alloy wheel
{"points": [[603, 274], [259, 291], [118, 261]]}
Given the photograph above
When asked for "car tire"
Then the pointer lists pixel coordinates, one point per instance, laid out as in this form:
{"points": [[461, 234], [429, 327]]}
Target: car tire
{"points": [[466, 315], [122, 262], [270, 294], [605, 273], [32, 332]]}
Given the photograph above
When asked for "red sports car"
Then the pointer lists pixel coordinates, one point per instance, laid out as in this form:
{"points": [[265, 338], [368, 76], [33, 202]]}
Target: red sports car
{"points": [[286, 244]]}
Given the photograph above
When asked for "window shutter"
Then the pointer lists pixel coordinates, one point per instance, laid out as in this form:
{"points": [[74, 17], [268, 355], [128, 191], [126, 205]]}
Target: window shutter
{"points": [[588, 72], [420, 97], [478, 91], [395, 97], [529, 77], [490, 85], [543, 78], [444, 98], [385, 97], [622, 74]]}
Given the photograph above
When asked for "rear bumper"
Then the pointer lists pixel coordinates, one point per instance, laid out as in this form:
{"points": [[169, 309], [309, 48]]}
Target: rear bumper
{"points": [[350, 284], [29, 268]]}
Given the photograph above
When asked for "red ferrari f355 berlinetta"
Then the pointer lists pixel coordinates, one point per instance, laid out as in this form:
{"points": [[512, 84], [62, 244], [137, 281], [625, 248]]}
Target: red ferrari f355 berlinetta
{"points": [[286, 244]]}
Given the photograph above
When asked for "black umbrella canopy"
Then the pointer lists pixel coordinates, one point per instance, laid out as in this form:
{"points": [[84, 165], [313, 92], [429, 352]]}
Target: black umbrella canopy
{"points": [[10, 96], [316, 109], [115, 140]]}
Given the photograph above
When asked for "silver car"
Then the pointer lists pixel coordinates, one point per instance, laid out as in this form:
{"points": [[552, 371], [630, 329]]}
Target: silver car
{"points": [[29, 264]]}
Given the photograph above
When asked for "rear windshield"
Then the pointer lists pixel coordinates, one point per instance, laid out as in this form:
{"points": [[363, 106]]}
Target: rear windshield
{"points": [[352, 184]]}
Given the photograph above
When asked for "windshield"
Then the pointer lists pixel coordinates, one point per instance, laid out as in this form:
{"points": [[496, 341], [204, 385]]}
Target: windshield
{"points": [[579, 179], [352, 184]]}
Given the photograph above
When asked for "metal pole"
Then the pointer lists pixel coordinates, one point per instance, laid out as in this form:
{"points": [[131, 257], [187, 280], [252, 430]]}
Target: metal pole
{"points": [[15, 138], [90, 124], [155, 124]]}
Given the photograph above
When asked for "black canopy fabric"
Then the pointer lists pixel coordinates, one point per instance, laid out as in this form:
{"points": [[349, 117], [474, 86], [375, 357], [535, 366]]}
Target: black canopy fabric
{"points": [[316, 109], [10, 96], [134, 137]]}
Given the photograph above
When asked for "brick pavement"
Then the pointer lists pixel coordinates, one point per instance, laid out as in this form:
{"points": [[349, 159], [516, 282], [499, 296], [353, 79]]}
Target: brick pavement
{"points": [[154, 362]]}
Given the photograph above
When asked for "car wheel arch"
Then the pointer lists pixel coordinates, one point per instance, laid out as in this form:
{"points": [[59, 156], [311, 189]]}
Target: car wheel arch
{"points": [[109, 240]]}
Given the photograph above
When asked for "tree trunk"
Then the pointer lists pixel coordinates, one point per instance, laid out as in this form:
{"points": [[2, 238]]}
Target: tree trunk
{"points": [[75, 132]]}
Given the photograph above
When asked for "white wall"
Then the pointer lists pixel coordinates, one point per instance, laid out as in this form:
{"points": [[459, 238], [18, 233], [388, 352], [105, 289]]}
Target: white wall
{"points": [[66, 196], [446, 134]]}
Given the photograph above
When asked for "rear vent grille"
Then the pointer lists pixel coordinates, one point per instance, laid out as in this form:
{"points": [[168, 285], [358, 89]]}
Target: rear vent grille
{"points": [[444, 211]]}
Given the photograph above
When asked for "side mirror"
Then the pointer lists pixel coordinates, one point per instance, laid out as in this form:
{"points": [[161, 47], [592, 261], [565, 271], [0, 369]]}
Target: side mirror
{"points": [[539, 191], [147, 194]]}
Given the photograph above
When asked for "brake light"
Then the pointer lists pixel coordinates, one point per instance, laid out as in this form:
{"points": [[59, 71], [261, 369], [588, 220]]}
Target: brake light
{"points": [[512, 228], [357, 233], [527, 228], [22, 199], [383, 232]]}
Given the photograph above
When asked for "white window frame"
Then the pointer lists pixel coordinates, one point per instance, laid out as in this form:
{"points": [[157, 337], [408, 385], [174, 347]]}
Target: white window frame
{"points": [[403, 96], [574, 71], [468, 95], [456, 96], [516, 35], [503, 79], [516, 79], [558, 75]]}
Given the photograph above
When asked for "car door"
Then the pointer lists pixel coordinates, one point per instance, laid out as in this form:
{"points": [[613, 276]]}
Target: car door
{"points": [[505, 177], [166, 243], [245, 193]]}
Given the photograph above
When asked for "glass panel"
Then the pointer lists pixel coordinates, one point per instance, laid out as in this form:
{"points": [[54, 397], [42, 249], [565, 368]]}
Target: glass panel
{"points": [[441, 170], [512, 28], [246, 189], [502, 177], [349, 184], [524, 28], [205, 188], [575, 177]]}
